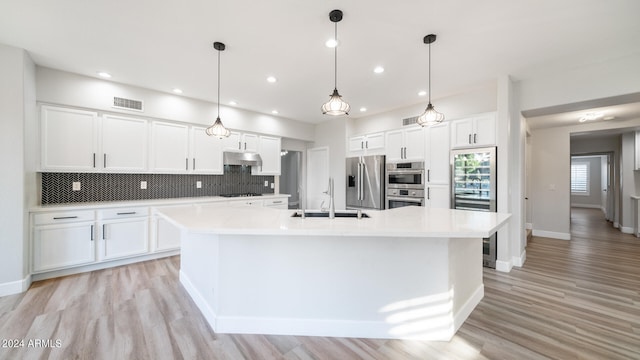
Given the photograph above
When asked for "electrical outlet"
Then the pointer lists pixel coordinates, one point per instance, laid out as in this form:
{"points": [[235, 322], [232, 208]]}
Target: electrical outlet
{"points": [[76, 186], [198, 184], [143, 185], [266, 183], [273, 185]]}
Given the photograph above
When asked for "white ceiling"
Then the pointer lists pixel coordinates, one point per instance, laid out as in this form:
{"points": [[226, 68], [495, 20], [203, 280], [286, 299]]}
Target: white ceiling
{"points": [[161, 45]]}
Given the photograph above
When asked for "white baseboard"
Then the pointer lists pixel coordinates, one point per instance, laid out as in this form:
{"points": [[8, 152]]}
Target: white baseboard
{"points": [[626, 229], [461, 316], [616, 225], [519, 260], [201, 303], [528, 226], [15, 287], [552, 234], [587, 206]]}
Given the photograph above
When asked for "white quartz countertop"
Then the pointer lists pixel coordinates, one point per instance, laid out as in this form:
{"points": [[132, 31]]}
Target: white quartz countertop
{"points": [[410, 221], [151, 202]]}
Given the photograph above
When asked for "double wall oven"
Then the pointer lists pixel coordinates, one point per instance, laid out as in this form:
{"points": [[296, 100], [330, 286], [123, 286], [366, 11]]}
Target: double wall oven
{"points": [[405, 184]]}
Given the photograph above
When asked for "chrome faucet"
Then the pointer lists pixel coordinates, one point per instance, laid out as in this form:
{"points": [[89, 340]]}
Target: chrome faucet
{"points": [[330, 192]]}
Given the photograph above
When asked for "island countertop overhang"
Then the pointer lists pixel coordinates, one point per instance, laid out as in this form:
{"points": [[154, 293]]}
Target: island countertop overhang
{"points": [[399, 222]]}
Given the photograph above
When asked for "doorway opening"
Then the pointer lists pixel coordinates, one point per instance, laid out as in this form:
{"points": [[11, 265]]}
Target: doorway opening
{"points": [[592, 195], [291, 177]]}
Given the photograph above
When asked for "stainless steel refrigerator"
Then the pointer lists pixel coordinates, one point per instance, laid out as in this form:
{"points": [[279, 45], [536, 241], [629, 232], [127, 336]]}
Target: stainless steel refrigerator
{"points": [[365, 182], [474, 188]]}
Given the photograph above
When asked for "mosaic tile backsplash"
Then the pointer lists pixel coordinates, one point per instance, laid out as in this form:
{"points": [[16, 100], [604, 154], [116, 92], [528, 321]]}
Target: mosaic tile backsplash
{"points": [[57, 187]]}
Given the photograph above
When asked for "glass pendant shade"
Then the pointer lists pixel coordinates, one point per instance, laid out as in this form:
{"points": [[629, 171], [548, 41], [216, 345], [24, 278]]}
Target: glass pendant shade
{"points": [[336, 106], [430, 117], [218, 130]]}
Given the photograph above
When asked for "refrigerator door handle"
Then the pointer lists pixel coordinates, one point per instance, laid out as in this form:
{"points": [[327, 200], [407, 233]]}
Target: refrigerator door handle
{"points": [[362, 181], [358, 178]]}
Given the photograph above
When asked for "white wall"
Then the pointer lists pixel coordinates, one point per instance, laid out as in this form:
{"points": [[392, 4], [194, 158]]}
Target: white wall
{"points": [[16, 108], [58, 87]]}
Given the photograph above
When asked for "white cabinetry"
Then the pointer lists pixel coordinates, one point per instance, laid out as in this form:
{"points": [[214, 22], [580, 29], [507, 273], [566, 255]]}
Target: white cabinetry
{"points": [[69, 139], [241, 142], [170, 147], [124, 144], [63, 239], [124, 233], [437, 166], [206, 152], [276, 203], [479, 130], [269, 150], [370, 144], [250, 202], [405, 144], [165, 235]]}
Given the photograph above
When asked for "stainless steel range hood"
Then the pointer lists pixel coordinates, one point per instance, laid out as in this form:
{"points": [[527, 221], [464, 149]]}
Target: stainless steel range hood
{"points": [[237, 158]]}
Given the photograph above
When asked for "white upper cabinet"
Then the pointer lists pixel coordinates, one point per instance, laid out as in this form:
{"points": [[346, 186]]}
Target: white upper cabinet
{"points": [[269, 150], [170, 148], [476, 131], [370, 144], [405, 144], [69, 139], [240, 142], [206, 152], [437, 159], [124, 144]]}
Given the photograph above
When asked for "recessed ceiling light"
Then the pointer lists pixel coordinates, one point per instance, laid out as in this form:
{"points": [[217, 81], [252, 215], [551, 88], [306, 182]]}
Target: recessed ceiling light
{"points": [[271, 79], [177, 91], [422, 93], [103, 74], [331, 43], [363, 109], [590, 117], [378, 70], [233, 103], [274, 112]]}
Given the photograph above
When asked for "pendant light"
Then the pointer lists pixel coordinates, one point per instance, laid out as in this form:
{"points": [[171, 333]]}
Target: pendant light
{"points": [[217, 129], [430, 116], [335, 106]]}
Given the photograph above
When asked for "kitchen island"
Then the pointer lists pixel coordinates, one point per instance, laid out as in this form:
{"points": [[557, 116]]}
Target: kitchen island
{"points": [[406, 273]]}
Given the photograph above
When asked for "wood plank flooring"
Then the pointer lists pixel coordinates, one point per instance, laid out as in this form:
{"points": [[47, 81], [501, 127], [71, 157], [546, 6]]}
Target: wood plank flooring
{"points": [[577, 299]]}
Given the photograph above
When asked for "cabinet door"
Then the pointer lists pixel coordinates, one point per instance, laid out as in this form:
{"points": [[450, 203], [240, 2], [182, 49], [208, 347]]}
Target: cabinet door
{"points": [[124, 144], [414, 144], [485, 130], [374, 141], [69, 139], [206, 153], [124, 238], [167, 235], [233, 142], [250, 143], [438, 196], [170, 148], [437, 159], [269, 151], [395, 145], [356, 143], [60, 246], [462, 133]]}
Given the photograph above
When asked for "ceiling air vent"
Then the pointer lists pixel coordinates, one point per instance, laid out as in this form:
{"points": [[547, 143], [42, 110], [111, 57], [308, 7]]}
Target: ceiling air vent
{"points": [[127, 104], [410, 121]]}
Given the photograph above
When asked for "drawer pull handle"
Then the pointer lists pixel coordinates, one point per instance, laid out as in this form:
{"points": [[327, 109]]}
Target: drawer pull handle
{"points": [[64, 217], [127, 213], [91, 232], [277, 202]]}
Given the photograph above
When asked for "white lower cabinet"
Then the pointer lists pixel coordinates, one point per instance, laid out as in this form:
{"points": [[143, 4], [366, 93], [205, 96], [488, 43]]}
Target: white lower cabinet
{"points": [[277, 203], [166, 235], [62, 240], [124, 233], [438, 196]]}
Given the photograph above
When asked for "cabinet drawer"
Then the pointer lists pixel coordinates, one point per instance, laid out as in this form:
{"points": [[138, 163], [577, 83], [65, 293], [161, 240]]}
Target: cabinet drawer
{"points": [[275, 202], [122, 213], [60, 217]]}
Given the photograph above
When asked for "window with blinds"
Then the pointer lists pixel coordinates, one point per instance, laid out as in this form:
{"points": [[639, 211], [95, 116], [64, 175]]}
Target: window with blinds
{"points": [[580, 178]]}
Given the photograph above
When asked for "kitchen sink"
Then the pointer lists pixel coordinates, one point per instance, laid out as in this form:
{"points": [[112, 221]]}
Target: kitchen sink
{"points": [[325, 214]]}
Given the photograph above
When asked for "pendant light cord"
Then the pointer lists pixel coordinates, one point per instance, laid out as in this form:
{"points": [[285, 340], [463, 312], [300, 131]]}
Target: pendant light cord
{"points": [[335, 57], [218, 84], [429, 73]]}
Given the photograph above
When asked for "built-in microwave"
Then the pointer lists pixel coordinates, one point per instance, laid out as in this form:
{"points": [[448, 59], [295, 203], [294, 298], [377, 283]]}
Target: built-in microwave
{"points": [[405, 175]]}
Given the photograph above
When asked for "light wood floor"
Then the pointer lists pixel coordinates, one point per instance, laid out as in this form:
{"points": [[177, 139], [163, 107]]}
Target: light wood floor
{"points": [[576, 299]]}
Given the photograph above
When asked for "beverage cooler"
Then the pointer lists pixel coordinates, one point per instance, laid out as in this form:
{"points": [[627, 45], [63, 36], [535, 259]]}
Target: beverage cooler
{"points": [[473, 187]]}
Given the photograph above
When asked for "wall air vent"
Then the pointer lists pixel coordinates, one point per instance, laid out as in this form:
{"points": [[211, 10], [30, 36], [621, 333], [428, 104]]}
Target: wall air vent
{"points": [[127, 104], [410, 121]]}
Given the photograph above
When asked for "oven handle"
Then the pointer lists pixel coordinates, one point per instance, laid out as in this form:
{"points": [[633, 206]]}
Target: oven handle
{"points": [[403, 172], [407, 199]]}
